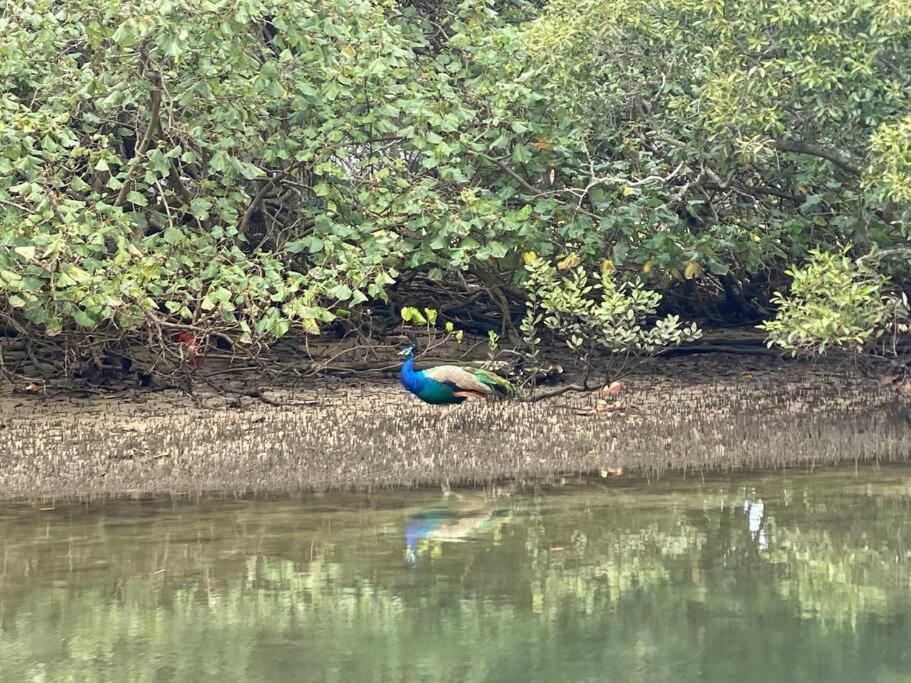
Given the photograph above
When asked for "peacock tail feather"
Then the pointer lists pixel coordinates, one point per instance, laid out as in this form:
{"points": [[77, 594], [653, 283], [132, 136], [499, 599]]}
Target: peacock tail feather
{"points": [[470, 379], [494, 381]]}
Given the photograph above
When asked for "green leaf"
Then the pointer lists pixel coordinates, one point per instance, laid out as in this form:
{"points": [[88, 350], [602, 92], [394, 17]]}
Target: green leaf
{"points": [[310, 326], [173, 236], [619, 253], [83, 319], [341, 292], [219, 162], [717, 267], [280, 328], [250, 171], [79, 184], [296, 247], [126, 34], [497, 249], [135, 197], [199, 207]]}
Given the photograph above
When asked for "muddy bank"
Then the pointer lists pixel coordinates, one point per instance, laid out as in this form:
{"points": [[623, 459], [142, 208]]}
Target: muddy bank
{"points": [[714, 411]]}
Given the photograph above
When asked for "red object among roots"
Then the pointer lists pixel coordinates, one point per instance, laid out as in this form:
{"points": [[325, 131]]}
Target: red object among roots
{"points": [[189, 341]]}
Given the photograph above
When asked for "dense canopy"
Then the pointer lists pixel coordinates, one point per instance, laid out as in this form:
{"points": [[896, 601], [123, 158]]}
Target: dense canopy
{"points": [[245, 170]]}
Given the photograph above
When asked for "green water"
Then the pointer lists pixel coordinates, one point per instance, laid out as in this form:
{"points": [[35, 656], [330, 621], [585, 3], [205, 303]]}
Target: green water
{"points": [[784, 577]]}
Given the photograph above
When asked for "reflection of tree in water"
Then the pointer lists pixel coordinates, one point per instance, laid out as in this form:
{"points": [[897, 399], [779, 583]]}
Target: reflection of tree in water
{"points": [[834, 584], [612, 580], [848, 560]]}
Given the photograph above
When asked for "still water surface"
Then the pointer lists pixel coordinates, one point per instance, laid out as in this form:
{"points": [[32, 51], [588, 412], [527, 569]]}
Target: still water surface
{"points": [[782, 577]]}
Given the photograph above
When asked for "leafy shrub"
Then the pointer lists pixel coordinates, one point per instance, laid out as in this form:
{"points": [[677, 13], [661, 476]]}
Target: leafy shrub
{"points": [[711, 140], [888, 173], [835, 304], [599, 313], [140, 139]]}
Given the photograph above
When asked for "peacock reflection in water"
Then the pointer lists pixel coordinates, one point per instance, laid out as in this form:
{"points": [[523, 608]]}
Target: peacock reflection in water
{"points": [[427, 530]]}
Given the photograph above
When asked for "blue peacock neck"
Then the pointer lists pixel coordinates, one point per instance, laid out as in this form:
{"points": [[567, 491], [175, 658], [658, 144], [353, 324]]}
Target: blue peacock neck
{"points": [[411, 379]]}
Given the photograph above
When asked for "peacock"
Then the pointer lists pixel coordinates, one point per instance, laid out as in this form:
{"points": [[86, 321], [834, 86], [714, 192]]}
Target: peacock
{"points": [[451, 383]]}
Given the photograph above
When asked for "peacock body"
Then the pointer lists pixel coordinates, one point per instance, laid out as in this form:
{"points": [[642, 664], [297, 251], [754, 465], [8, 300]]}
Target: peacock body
{"points": [[446, 384], [448, 525]]}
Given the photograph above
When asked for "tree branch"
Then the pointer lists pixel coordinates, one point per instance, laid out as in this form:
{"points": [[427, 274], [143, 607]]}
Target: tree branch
{"points": [[512, 174], [800, 147], [154, 114], [584, 387], [244, 221]]}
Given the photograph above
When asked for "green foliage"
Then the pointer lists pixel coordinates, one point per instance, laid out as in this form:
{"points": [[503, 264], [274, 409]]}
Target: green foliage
{"points": [[135, 138], [261, 167], [888, 173], [493, 344], [427, 318], [601, 313], [834, 304], [733, 137], [410, 314], [253, 167]]}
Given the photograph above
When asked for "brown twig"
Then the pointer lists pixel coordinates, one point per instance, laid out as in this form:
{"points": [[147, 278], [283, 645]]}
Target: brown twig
{"points": [[154, 114]]}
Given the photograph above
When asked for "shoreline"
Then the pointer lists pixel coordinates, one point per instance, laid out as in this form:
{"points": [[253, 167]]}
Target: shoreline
{"points": [[706, 412]]}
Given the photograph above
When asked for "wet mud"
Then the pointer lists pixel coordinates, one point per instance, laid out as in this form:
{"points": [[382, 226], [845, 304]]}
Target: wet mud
{"points": [[709, 412]]}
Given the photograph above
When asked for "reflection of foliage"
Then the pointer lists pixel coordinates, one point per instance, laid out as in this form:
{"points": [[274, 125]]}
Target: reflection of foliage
{"points": [[829, 584], [625, 563], [276, 590]]}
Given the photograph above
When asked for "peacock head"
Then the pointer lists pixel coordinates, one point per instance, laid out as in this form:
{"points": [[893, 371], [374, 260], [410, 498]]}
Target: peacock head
{"points": [[408, 351]]}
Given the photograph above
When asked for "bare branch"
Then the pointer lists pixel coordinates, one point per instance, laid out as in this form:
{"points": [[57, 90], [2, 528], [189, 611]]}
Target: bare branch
{"points": [[154, 114], [811, 149]]}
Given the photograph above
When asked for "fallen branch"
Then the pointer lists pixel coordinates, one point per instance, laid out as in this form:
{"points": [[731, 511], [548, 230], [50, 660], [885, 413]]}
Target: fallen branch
{"points": [[584, 388]]}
